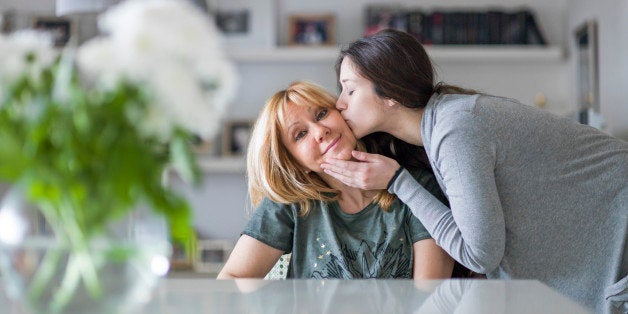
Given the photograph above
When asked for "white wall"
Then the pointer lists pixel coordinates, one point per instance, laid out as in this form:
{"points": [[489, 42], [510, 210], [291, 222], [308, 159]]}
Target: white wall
{"points": [[612, 19]]}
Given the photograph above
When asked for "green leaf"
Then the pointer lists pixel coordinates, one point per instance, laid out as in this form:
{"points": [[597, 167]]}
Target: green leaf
{"points": [[183, 160]]}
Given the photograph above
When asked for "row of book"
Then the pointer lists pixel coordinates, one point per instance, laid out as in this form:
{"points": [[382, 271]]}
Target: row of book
{"points": [[456, 27]]}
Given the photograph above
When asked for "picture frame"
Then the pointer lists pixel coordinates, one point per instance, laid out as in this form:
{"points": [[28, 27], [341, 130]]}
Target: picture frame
{"points": [[212, 254], [7, 21], [245, 23], [587, 71], [311, 30], [61, 29], [235, 137]]}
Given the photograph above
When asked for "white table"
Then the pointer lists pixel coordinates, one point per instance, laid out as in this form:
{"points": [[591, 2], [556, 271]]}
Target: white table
{"points": [[203, 295], [358, 296]]}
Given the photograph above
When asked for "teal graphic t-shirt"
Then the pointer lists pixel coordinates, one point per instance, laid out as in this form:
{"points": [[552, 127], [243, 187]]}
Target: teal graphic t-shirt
{"points": [[328, 243]]}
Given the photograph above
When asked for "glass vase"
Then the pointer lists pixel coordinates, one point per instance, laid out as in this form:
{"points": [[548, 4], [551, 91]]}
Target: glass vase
{"points": [[116, 272]]}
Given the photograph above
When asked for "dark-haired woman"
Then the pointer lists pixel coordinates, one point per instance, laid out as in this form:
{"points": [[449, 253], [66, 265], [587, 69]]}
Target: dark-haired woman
{"points": [[532, 195]]}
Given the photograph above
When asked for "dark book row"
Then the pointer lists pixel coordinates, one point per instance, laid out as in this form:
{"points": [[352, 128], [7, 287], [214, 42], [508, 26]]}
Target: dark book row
{"points": [[456, 27]]}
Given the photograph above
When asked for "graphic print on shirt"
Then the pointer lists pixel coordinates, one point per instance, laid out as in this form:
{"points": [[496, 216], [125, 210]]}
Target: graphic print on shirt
{"points": [[382, 261]]}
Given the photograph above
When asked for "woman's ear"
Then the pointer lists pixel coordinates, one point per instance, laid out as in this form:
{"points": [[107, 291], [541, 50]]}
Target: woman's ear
{"points": [[389, 102]]}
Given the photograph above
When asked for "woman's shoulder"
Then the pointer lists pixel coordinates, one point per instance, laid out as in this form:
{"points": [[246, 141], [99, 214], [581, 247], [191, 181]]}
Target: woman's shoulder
{"points": [[268, 207], [442, 102], [293, 210], [449, 103]]}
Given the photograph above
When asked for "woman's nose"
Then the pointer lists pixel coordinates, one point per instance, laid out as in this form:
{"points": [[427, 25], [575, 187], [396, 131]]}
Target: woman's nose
{"points": [[321, 132], [340, 104]]}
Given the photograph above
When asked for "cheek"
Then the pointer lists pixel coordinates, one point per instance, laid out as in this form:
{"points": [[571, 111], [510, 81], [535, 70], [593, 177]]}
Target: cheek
{"points": [[307, 153]]}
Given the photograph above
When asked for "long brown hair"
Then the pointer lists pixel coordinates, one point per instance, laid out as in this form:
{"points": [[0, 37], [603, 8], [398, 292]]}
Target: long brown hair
{"points": [[272, 171], [400, 69]]}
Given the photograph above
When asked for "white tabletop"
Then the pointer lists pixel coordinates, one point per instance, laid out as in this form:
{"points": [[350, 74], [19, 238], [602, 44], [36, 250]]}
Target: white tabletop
{"points": [[203, 295], [358, 296]]}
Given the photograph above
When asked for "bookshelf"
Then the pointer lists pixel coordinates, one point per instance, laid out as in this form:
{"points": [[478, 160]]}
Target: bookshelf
{"points": [[443, 53]]}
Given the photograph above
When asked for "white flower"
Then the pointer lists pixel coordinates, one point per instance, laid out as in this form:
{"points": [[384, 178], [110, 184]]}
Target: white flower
{"points": [[14, 50], [176, 51]]}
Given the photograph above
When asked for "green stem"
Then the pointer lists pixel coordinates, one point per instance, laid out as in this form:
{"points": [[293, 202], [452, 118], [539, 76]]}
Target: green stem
{"points": [[49, 262], [80, 247], [44, 274], [69, 284], [80, 264]]}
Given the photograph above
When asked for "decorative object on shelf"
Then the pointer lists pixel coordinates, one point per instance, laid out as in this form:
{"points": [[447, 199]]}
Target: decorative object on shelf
{"points": [[381, 17], [311, 29], [245, 23], [182, 257], [212, 254], [60, 29], [201, 146], [540, 101], [587, 70], [235, 137], [86, 142]]}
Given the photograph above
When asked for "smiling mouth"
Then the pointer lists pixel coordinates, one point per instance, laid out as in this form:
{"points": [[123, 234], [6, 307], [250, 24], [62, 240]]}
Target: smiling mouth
{"points": [[332, 144]]}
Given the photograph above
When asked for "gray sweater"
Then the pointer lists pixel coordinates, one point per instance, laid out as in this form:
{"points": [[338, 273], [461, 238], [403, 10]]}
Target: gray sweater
{"points": [[532, 195]]}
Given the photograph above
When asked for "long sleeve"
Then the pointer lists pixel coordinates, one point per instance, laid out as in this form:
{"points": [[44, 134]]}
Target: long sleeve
{"points": [[473, 230]]}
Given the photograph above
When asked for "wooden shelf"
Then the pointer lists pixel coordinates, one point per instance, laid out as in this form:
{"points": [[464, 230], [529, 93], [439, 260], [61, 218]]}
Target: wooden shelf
{"points": [[438, 53], [214, 164]]}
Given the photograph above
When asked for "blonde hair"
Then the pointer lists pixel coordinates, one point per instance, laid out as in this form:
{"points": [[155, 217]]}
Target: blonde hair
{"points": [[272, 171]]}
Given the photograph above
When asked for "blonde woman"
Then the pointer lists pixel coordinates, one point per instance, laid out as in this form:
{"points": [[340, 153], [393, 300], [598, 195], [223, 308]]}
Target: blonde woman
{"points": [[331, 229]]}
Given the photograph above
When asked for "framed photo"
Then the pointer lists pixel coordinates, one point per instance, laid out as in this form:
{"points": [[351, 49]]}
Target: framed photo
{"points": [[311, 29], [587, 65], [245, 23], [211, 255], [61, 29], [7, 21], [235, 137]]}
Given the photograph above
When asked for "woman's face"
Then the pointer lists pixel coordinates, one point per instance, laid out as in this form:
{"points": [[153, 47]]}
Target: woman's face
{"points": [[360, 106], [314, 133]]}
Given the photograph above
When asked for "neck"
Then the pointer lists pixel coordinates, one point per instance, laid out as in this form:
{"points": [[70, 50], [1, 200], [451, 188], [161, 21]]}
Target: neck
{"points": [[405, 124], [352, 200]]}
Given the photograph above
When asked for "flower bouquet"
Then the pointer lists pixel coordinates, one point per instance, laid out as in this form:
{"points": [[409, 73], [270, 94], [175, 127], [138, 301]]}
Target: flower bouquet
{"points": [[87, 134]]}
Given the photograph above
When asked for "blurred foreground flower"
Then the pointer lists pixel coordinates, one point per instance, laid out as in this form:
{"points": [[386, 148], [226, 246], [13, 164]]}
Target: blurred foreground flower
{"points": [[88, 133]]}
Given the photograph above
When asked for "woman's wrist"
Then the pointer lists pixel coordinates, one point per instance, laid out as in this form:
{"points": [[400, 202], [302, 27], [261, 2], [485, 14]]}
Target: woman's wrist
{"points": [[394, 177]]}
